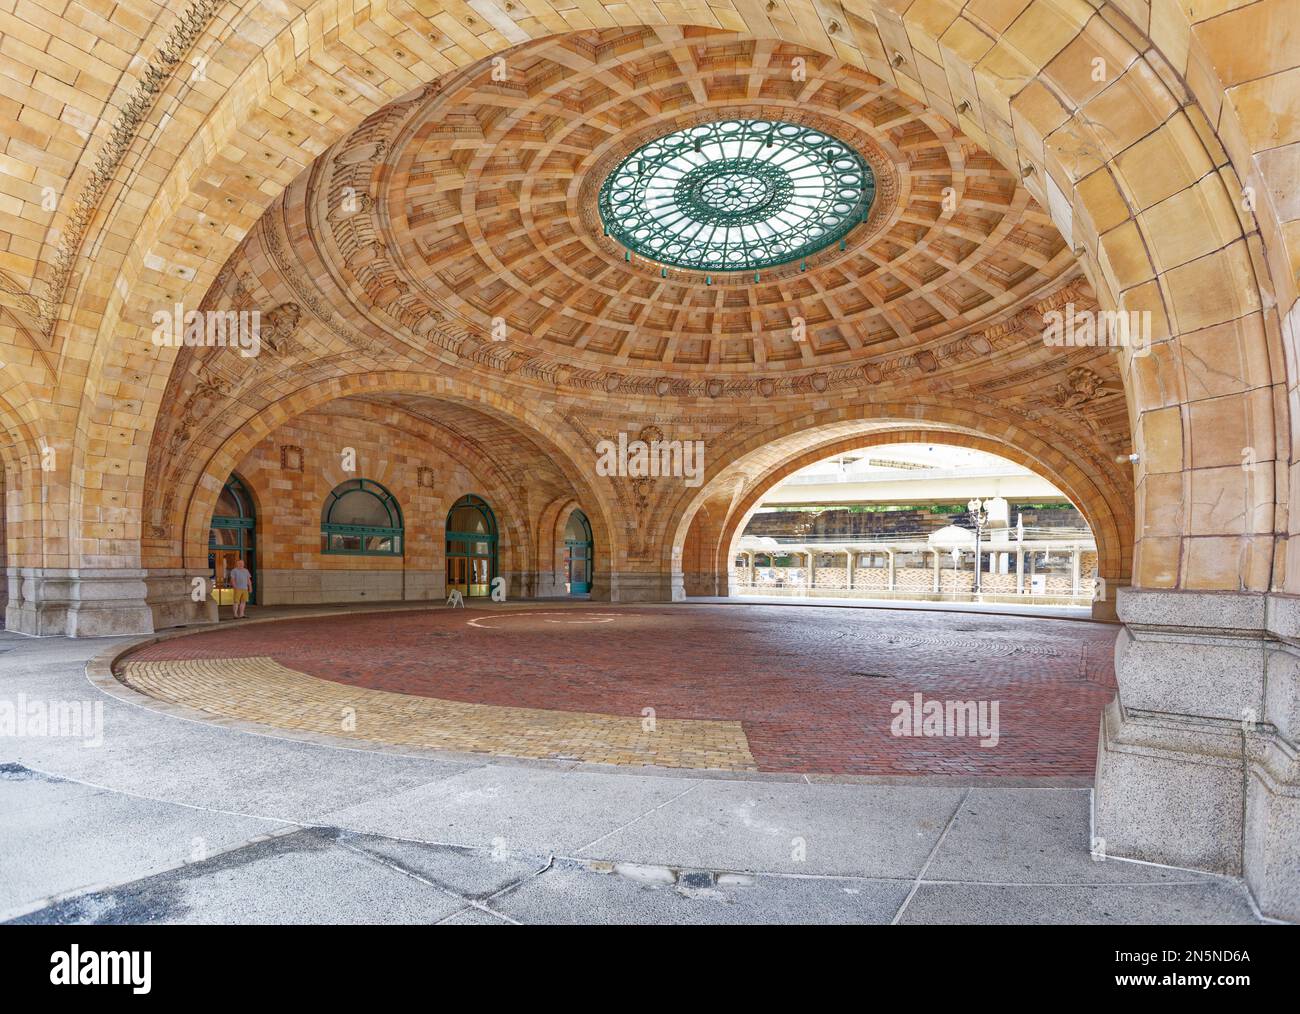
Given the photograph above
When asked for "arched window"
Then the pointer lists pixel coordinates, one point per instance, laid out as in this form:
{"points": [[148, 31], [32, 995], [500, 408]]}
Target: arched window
{"points": [[361, 517], [471, 546]]}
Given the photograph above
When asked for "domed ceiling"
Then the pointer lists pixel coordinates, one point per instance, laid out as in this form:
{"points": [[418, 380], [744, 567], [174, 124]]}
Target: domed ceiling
{"points": [[457, 232], [477, 202]]}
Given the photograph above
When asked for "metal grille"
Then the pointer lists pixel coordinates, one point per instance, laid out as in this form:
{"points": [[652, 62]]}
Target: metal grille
{"points": [[736, 195]]}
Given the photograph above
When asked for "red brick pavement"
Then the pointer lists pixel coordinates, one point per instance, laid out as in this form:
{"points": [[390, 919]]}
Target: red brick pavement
{"points": [[798, 679]]}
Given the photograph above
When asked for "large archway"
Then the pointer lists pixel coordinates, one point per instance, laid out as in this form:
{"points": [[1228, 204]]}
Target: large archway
{"points": [[1109, 541], [993, 79], [427, 447], [712, 518]]}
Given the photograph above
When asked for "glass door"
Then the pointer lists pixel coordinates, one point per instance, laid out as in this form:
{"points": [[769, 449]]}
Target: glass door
{"points": [[230, 538], [471, 536], [457, 575]]}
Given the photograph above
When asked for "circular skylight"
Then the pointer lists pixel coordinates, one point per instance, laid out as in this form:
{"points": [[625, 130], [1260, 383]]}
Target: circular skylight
{"points": [[736, 195]]}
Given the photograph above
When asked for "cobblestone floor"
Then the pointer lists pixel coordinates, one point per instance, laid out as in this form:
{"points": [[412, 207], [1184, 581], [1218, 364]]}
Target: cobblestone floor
{"points": [[810, 691]]}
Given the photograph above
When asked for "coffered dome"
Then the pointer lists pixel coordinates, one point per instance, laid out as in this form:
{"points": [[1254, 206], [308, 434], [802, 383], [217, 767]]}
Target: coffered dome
{"points": [[847, 223]]}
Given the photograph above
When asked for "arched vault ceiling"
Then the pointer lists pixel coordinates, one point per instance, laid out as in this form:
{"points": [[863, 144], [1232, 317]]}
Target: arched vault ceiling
{"points": [[472, 200], [501, 447]]}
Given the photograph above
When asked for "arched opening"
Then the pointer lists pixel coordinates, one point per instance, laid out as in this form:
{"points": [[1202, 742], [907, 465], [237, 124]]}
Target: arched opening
{"points": [[709, 532], [361, 518], [577, 554], [471, 539], [917, 523], [232, 536]]}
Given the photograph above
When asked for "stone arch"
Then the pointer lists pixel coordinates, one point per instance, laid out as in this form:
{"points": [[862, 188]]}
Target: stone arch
{"points": [[1020, 89], [550, 543], [717, 541], [514, 547], [201, 496], [745, 470], [26, 534]]}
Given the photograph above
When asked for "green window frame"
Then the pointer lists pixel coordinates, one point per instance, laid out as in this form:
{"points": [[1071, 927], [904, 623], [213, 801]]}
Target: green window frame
{"points": [[340, 538], [473, 545]]}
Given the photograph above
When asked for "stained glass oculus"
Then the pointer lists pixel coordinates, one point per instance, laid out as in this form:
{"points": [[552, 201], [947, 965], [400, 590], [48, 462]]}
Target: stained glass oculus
{"points": [[736, 195]]}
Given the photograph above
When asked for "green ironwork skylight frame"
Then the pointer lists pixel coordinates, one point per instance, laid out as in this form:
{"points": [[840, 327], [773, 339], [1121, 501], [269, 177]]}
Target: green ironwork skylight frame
{"points": [[736, 195]]}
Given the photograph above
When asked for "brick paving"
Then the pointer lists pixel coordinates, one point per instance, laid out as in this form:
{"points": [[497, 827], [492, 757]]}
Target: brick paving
{"points": [[262, 690], [812, 689]]}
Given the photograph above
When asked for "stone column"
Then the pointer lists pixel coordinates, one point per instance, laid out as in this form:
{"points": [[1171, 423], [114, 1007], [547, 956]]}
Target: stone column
{"points": [[1074, 569], [893, 577], [1020, 569], [171, 600], [1198, 762], [937, 558], [848, 569]]}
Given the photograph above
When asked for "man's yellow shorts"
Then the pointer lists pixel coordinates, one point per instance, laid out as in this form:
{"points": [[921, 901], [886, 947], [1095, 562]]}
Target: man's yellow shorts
{"points": [[240, 594]]}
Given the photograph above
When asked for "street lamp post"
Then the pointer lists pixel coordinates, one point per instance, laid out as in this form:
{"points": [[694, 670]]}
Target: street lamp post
{"points": [[980, 516], [1020, 554]]}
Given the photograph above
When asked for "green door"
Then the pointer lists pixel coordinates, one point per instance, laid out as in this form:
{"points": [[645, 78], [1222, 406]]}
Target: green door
{"points": [[471, 547], [577, 554]]}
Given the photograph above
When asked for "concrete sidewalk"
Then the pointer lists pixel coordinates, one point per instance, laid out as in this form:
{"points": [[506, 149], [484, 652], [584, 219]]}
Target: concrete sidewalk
{"points": [[169, 820]]}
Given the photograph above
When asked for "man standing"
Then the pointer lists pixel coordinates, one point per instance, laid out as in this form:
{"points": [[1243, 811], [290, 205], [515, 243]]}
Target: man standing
{"points": [[241, 583]]}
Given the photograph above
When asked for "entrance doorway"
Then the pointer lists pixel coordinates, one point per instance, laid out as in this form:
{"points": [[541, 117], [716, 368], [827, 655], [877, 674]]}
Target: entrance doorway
{"points": [[231, 537], [577, 554], [471, 547]]}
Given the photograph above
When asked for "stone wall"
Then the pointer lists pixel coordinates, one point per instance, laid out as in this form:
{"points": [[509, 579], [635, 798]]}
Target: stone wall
{"points": [[292, 569]]}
